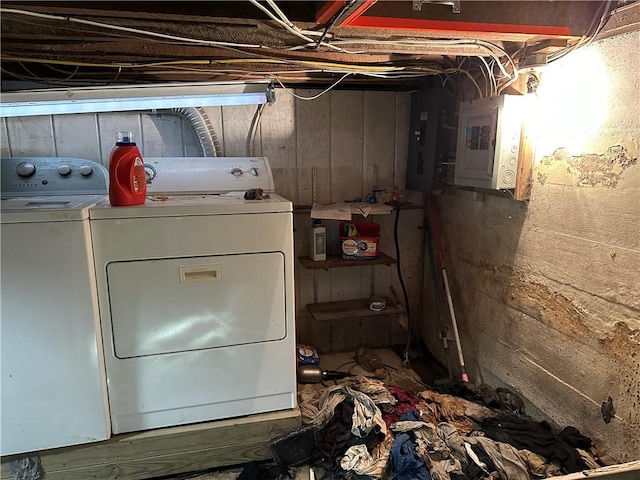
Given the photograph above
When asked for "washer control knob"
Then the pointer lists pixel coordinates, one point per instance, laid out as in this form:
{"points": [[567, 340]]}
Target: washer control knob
{"points": [[236, 171], [64, 169], [253, 171], [26, 169], [86, 170], [149, 173]]}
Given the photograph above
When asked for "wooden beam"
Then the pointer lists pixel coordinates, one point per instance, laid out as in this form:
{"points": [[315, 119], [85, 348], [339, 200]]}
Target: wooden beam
{"points": [[524, 175], [168, 451]]}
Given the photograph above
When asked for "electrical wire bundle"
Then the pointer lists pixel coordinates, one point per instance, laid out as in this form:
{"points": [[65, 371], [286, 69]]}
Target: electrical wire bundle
{"points": [[477, 60], [258, 56]]}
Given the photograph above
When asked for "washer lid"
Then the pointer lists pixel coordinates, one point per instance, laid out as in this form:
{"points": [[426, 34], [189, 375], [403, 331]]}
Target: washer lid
{"points": [[59, 208], [186, 205]]}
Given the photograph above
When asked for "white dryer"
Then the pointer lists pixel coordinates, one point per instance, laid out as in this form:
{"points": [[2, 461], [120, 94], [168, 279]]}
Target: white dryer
{"points": [[196, 295], [53, 378]]}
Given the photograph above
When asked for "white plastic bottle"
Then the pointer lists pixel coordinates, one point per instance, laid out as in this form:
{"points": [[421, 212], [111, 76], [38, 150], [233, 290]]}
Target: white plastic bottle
{"points": [[318, 241]]}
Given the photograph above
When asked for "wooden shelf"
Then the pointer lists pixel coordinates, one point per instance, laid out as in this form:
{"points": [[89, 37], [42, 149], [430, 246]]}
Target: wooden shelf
{"points": [[334, 261], [350, 309], [306, 209]]}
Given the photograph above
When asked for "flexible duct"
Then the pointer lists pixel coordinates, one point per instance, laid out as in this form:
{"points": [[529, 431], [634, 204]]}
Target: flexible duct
{"points": [[203, 128]]}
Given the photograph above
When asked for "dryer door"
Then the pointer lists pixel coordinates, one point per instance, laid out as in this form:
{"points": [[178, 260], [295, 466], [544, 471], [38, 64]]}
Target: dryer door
{"points": [[173, 305]]}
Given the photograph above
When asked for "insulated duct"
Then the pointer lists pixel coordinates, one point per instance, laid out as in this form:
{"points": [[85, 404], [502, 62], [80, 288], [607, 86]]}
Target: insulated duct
{"points": [[203, 128]]}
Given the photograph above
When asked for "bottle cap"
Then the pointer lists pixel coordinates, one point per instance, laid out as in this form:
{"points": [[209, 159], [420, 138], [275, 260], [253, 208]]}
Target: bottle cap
{"points": [[124, 137]]}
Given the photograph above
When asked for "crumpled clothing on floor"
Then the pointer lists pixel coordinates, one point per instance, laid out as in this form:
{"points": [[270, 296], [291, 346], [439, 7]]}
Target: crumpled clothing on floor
{"points": [[310, 394], [538, 466], [425, 433], [407, 464], [431, 446], [538, 438], [358, 458], [505, 458], [366, 415], [355, 419], [462, 413], [337, 436], [308, 400], [449, 433], [405, 403], [500, 398], [254, 471], [374, 388]]}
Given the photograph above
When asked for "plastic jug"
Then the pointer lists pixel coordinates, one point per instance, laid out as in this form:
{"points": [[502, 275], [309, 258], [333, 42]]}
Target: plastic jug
{"points": [[127, 180]]}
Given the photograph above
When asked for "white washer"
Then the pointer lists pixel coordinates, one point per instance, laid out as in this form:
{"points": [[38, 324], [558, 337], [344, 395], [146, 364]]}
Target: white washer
{"points": [[53, 377], [196, 295]]}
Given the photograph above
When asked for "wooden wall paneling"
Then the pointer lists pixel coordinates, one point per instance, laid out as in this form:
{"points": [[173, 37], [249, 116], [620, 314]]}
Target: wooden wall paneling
{"points": [[236, 121], [161, 135], [346, 334], [321, 332], [411, 240], [313, 150], [379, 139], [347, 124], [313, 146], [278, 142], [375, 330], [77, 136], [31, 136], [402, 119], [215, 116], [5, 146], [346, 145], [108, 126], [379, 155]]}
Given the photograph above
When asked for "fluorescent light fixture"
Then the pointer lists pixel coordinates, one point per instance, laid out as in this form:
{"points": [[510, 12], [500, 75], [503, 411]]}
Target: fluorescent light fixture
{"points": [[61, 101]]}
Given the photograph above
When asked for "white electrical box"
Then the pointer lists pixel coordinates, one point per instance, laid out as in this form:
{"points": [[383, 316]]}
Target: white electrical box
{"points": [[488, 146]]}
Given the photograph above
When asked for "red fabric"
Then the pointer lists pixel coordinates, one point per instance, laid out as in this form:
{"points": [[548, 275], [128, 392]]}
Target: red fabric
{"points": [[406, 403]]}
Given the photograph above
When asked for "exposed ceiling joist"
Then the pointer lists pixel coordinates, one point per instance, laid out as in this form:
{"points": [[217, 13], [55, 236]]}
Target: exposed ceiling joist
{"points": [[158, 41]]}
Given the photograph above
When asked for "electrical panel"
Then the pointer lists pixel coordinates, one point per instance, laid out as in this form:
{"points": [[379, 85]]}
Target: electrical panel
{"points": [[432, 135], [488, 145]]}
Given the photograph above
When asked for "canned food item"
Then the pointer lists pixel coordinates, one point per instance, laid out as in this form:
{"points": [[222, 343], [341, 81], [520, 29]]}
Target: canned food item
{"points": [[307, 355]]}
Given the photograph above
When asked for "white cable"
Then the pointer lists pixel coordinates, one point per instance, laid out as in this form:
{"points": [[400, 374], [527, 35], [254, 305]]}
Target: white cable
{"points": [[488, 47], [127, 29], [294, 30], [490, 73], [584, 41], [315, 96], [285, 19]]}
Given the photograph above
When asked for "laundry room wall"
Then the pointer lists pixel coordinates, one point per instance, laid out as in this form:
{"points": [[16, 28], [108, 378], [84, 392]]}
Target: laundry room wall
{"points": [[547, 293], [347, 140]]}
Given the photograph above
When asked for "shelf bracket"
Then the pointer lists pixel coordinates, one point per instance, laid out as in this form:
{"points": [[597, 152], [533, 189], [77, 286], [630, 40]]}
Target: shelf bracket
{"points": [[314, 183]]}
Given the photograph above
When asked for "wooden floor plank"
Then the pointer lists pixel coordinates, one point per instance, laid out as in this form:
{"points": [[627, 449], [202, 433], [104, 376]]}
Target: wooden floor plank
{"points": [[168, 450]]}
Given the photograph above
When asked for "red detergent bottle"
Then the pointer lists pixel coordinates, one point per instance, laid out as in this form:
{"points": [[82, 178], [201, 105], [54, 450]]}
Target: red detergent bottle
{"points": [[127, 180]]}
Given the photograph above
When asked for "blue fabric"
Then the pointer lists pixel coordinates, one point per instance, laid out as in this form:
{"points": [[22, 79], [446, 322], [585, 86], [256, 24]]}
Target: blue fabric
{"points": [[410, 416], [407, 465]]}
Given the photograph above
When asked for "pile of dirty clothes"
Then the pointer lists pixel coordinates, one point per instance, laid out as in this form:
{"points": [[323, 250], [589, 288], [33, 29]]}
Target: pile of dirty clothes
{"points": [[361, 428]]}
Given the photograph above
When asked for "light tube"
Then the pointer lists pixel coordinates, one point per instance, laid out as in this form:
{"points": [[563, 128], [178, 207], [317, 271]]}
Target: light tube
{"points": [[130, 98]]}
